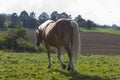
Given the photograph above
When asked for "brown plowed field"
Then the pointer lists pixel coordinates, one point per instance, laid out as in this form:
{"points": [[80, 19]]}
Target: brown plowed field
{"points": [[100, 43]]}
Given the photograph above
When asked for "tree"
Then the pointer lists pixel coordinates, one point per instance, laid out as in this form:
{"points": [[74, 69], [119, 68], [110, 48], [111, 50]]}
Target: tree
{"points": [[54, 15], [63, 15], [32, 15], [24, 17], [2, 20], [89, 24], [43, 17], [115, 27], [14, 20], [79, 20], [32, 20]]}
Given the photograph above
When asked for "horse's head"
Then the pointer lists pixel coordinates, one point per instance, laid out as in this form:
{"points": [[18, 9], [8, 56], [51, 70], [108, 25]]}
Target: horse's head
{"points": [[39, 37]]}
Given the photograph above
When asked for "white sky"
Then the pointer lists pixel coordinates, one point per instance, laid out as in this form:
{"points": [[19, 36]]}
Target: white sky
{"points": [[99, 11]]}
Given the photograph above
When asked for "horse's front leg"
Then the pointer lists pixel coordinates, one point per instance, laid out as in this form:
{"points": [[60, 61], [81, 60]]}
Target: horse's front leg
{"points": [[70, 64], [60, 58], [49, 56]]}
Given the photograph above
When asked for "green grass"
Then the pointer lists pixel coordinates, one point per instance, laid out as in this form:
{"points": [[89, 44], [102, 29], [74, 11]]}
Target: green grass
{"points": [[28, 66], [102, 30]]}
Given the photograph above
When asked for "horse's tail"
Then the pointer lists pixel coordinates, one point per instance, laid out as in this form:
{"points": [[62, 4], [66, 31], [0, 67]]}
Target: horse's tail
{"points": [[76, 43]]}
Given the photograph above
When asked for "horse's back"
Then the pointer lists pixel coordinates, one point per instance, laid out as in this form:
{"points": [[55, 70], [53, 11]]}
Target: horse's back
{"points": [[50, 36], [59, 33], [63, 30]]}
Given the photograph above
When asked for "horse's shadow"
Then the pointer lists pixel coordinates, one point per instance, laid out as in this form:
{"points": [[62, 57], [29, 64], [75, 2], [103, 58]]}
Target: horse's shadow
{"points": [[77, 76]]}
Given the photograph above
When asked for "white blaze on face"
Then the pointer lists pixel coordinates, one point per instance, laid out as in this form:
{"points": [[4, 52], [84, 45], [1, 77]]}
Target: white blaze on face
{"points": [[41, 27]]}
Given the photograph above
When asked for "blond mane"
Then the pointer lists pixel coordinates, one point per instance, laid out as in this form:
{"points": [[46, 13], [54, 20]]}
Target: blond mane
{"points": [[43, 25]]}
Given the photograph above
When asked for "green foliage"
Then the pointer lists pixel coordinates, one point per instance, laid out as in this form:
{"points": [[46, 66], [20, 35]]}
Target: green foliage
{"points": [[26, 66], [14, 20], [89, 24], [27, 20], [64, 15], [79, 20], [54, 15], [2, 20], [24, 18], [16, 40], [24, 45], [43, 17]]}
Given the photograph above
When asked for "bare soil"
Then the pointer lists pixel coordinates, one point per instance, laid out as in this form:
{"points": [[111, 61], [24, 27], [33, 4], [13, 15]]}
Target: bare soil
{"points": [[100, 43]]}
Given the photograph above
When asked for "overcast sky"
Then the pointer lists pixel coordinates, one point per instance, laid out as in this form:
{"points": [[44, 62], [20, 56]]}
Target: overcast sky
{"points": [[99, 11]]}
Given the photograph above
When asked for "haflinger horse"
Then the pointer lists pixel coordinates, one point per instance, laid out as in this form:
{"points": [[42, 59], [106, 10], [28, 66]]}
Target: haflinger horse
{"points": [[62, 33]]}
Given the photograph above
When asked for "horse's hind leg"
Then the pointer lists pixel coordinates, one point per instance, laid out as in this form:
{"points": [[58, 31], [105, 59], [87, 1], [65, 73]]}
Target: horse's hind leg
{"points": [[49, 57], [60, 58], [70, 64]]}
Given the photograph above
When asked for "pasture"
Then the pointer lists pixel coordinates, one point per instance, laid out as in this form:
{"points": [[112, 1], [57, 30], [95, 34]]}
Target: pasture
{"points": [[33, 66], [102, 30], [93, 63]]}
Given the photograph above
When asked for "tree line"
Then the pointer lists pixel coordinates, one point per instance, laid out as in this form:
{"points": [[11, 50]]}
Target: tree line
{"points": [[29, 20]]}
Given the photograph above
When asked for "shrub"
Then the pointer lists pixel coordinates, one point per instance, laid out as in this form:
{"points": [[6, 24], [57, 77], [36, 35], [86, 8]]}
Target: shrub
{"points": [[41, 49], [9, 41], [17, 40], [24, 45]]}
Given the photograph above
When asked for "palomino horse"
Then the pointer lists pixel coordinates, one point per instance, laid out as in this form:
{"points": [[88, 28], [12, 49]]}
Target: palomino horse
{"points": [[62, 33]]}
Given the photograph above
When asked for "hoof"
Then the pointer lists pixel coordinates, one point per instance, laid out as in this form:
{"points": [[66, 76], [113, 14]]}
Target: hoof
{"points": [[49, 66], [69, 68], [71, 72], [64, 66]]}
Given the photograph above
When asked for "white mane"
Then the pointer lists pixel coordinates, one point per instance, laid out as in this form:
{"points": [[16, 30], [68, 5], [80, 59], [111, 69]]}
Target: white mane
{"points": [[41, 27]]}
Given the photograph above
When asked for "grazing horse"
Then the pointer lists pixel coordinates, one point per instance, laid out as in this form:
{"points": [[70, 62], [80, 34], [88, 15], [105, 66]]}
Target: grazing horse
{"points": [[62, 33]]}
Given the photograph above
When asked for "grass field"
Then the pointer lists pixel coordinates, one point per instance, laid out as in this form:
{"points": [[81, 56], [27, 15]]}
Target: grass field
{"points": [[28, 66], [102, 30]]}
